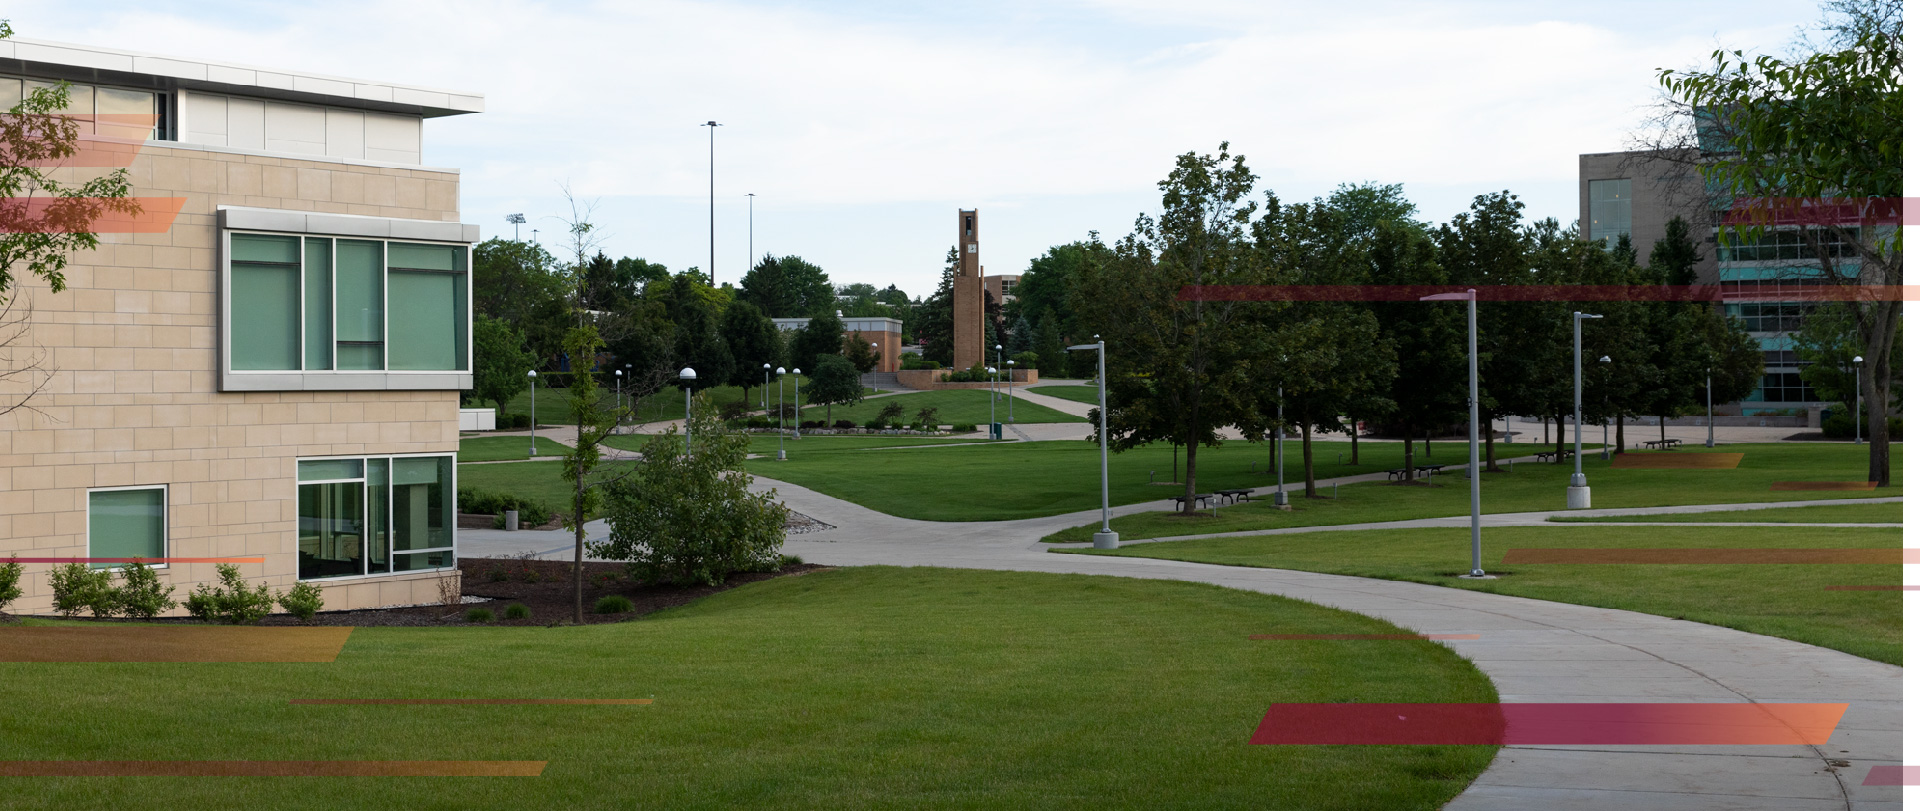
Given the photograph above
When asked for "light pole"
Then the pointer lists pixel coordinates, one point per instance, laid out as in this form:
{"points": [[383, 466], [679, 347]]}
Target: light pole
{"points": [[780, 427], [1857, 360], [1473, 415], [876, 361], [517, 220], [533, 410], [1709, 406], [713, 273], [796, 403], [1579, 496], [1606, 442], [1508, 429], [616, 392], [993, 394], [686, 379], [1000, 360], [1106, 538], [1010, 368], [766, 379], [1280, 448]]}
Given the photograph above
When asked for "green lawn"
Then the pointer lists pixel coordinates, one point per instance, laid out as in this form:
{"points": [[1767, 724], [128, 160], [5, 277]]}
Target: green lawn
{"points": [[1835, 514], [1079, 394], [998, 481], [1531, 487], [1787, 601], [862, 688], [505, 448], [667, 404], [956, 406], [770, 443], [537, 481]]}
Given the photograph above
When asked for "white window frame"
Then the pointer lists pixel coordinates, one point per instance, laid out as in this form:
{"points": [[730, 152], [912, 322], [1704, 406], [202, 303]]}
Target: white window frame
{"points": [[166, 521], [453, 492]]}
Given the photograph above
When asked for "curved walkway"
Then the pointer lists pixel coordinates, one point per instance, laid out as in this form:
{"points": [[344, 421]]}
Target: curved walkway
{"points": [[1533, 650]]}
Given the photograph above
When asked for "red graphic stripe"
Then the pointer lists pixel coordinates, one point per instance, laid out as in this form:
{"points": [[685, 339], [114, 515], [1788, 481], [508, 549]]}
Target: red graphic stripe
{"points": [[1708, 294], [1549, 724], [72, 215], [1873, 588], [1892, 776], [272, 768], [106, 141], [1258, 637]]}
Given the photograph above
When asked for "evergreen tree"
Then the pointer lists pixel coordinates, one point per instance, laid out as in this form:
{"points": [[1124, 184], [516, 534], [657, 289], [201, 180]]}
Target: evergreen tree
{"points": [[1049, 346], [824, 334], [935, 317], [1020, 336], [752, 341]]}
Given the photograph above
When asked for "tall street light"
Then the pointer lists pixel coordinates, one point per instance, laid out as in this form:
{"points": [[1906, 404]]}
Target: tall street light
{"points": [[993, 395], [1579, 496], [1606, 443], [686, 379], [617, 376], [1001, 360], [1473, 415], [517, 220], [713, 273], [766, 378], [796, 403], [533, 410], [780, 406], [1010, 368], [1106, 538], [1857, 360], [1709, 406], [1280, 448]]}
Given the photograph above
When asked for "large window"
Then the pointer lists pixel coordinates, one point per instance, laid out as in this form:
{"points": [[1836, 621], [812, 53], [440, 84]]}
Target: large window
{"points": [[1784, 387], [126, 522], [326, 305], [1611, 204], [112, 112], [1785, 317], [375, 515]]}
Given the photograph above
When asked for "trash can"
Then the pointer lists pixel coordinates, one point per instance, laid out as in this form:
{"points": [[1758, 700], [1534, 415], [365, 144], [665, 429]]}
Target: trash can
{"points": [[993, 431], [512, 520]]}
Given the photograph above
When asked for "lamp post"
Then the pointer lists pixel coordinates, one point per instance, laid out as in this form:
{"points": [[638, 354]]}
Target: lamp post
{"points": [[1280, 448], [1106, 538], [686, 379], [1473, 415], [713, 273], [876, 361], [766, 378], [1709, 406], [1606, 442], [1857, 360], [993, 394], [517, 220], [533, 421], [1579, 496], [999, 359], [796, 403], [616, 391], [1010, 368], [780, 427]]}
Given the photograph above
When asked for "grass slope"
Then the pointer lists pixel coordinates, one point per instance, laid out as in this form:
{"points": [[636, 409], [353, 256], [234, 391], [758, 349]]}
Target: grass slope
{"points": [[889, 688], [956, 406], [770, 443], [506, 448], [1835, 514], [539, 481], [992, 482], [1528, 488], [1787, 601], [1078, 394]]}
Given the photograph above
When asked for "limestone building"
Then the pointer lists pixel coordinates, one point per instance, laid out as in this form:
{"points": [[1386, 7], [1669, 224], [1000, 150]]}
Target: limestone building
{"points": [[274, 374]]}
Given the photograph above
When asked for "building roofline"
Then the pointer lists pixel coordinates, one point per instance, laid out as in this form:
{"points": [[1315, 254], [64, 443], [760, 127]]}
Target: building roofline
{"points": [[112, 66]]}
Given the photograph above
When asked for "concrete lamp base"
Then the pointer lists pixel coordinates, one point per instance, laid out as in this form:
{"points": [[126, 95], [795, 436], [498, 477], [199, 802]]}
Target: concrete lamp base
{"points": [[1479, 577], [783, 456], [1106, 540], [1579, 498]]}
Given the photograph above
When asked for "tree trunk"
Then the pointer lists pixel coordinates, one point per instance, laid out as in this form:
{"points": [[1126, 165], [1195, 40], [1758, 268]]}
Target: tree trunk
{"points": [[1193, 458], [1406, 473], [1879, 433], [1353, 429], [1619, 433], [1306, 456], [1429, 443], [579, 547], [1663, 428], [1492, 465], [1560, 433]]}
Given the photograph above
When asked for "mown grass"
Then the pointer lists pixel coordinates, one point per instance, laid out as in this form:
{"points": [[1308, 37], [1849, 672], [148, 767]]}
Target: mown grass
{"points": [[1530, 487], [506, 448], [865, 688], [1787, 601], [1824, 514], [1079, 394], [955, 406], [998, 481]]}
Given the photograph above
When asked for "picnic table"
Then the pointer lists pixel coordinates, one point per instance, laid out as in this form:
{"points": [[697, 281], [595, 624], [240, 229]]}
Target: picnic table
{"points": [[1201, 501], [1418, 470], [1662, 444], [1231, 496], [1552, 456]]}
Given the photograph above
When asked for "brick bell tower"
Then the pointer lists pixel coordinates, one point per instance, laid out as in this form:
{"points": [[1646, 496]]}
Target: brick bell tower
{"points": [[969, 293]]}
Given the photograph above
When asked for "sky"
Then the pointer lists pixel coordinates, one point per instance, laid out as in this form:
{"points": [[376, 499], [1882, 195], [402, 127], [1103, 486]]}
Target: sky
{"points": [[861, 127]]}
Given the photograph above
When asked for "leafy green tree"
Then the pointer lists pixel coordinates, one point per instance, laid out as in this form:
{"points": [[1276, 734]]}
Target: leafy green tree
{"points": [[500, 360], [824, 334], [833, 380], [787, 287], [1048, 345], [1676, 330], [691, 519], [933, 319], [1019, 336], [513, 281], [1428, 391], [752, 341], [1824, 126], [860, 353], [1178, 369], [1050, 278]]}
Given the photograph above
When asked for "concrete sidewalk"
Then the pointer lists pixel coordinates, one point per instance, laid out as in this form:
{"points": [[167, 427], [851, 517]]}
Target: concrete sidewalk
{"points": [[1533, 650]]}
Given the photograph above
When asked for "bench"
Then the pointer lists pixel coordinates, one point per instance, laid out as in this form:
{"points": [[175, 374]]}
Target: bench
{"points": [[1662, 444], [1232, 496], [1201, 501], [1418, 470]]}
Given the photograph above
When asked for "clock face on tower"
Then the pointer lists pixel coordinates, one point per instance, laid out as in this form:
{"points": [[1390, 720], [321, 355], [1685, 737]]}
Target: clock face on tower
{"points": [[973, 247]]}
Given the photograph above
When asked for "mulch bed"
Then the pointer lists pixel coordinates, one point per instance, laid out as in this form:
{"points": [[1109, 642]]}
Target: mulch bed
{"points": [[1676, 461], [545, 586]]}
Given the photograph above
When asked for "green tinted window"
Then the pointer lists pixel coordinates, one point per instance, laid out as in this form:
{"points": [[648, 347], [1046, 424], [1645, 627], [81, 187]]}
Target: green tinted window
{"points": [[126, 524], [319, 286], [265, 303], [414, 256], [360, 304], [320, 470], [427, 322], [422, 504]]}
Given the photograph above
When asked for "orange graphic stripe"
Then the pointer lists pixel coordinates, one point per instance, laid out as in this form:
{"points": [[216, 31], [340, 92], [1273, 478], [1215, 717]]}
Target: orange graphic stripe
{"points": [[142, 560], [1625, 724], [100, 215], [147, 643]]}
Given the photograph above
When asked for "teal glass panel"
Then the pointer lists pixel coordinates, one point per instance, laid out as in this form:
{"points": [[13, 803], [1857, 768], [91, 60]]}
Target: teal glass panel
{"points": [[377, 534], [126, 524], [422, 504], [265, 248], [332, 530], [415, 561], [424, 327], [414, 256], [359, 304], [319, 470], [319, 289], [265, 309]]}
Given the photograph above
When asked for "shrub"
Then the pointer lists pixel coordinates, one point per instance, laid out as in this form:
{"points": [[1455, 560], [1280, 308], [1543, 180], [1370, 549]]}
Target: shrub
{"points": [[230, 602], [486, 502], [965, 428], [612, 604], [518, 421], [302, 601], [519, 612], [843, 424], [10, 581], [77, 586], [928, 416], [734, 409], [891, 412], [813, 424], [757, 421], [790, 560], [496, 575], [140, 594], [875, 424], [479, 615], [976, 374]]}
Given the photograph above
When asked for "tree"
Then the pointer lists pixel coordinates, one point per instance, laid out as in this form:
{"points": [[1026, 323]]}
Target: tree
{"points": [[43, 222], [860, 353], [1178, 368], [1428, 390], [500, 360], [933, 319], [1050, 278], [1048, 345], [833, 381], [1019, 336], [824, 334], [753, 341], [1676, 330], [690, 519], [1811, 146], [787, 287]]}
